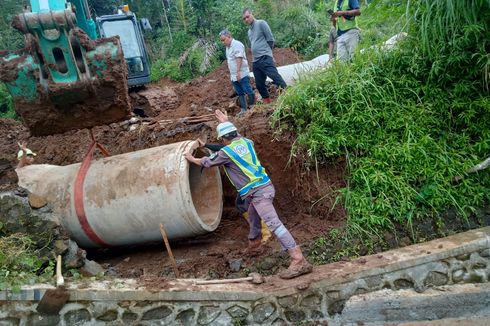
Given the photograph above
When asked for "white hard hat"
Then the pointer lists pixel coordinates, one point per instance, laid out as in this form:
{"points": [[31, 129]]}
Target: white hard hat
{"points": [[28, 152], [225, 128]]}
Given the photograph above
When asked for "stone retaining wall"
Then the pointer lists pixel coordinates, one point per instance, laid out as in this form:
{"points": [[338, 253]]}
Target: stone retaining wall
{"points": [[320, 297]]}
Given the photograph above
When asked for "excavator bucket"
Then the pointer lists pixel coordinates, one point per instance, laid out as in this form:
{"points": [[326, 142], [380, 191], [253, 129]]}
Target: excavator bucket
{"points": [[63, 80]]}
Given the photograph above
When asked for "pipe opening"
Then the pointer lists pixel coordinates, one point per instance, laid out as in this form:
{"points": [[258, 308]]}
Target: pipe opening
{"points": [[206, 192]]}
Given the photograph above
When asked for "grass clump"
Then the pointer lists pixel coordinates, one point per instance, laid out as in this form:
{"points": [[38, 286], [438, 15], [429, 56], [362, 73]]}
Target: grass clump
{"points": [[20, 262], [408, 121]]}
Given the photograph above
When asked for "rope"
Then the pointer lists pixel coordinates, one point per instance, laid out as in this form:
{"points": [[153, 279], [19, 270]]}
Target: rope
{"points": [[78, 191]]}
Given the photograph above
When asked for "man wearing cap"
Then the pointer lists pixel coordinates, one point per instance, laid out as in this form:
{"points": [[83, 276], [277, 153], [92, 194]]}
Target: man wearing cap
{"points": [[25, 156], [241, 204], [238, 67], [243, 168]]}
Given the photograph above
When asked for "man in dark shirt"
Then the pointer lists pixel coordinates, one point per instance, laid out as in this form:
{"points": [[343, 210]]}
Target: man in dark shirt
{"points": [[262, 43]]}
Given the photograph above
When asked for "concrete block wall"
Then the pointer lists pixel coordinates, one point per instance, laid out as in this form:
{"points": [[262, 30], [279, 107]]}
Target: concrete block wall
{"points": [[444, 278]]}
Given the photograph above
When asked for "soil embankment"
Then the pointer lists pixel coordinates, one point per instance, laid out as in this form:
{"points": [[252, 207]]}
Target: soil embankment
{"points": [[171, 112]]}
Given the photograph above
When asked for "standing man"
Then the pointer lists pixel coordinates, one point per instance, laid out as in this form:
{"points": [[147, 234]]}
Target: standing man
{"points": [[243, 168], [238, 66], [262, 43], [347, 31]]}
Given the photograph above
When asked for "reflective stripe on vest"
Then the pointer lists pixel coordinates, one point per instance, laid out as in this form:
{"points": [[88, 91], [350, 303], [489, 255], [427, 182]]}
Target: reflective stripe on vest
{"points": [[344, 24], [247, 162]]}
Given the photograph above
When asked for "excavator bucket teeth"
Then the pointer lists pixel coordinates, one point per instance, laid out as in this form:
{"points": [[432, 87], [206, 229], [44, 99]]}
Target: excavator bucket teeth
{"points": [[98, 96]]}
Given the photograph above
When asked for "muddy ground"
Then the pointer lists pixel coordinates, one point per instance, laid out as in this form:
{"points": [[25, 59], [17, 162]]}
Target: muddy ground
{"points": [[304, 199]]}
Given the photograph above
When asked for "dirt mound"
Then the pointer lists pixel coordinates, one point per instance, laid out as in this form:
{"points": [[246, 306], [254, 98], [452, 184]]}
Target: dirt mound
{"points": [[304, 199], [11, 131], [214, 91]]}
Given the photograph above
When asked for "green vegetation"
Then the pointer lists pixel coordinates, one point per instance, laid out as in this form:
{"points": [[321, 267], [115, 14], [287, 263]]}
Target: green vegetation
{"points": [[10, 38], [27, 243], [300, 25], [408, 121], [382, 19], [183, 24], [6, 104], [20, 263]]}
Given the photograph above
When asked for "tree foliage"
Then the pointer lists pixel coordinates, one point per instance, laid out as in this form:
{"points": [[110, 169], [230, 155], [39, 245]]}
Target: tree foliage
{"points": [[179, 24], [10, 39]]}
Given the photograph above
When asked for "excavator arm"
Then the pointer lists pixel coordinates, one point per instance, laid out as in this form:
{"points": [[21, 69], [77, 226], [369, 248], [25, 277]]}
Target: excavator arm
{"points": [[65, 78]]}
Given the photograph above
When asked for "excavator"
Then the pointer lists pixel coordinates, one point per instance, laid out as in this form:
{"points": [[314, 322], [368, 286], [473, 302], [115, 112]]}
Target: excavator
{"points": [[74, 72]]}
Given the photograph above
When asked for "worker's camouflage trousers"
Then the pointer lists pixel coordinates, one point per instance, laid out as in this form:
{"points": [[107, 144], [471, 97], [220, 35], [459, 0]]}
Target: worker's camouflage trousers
{"points": [[261, 207]]}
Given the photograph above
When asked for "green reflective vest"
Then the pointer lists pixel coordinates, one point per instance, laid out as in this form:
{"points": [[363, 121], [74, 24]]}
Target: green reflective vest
{"points": [[344, 23], [242, 153]]}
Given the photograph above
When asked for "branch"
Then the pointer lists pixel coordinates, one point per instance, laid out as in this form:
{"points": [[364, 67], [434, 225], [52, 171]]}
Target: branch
{"points": [[480, 166]]}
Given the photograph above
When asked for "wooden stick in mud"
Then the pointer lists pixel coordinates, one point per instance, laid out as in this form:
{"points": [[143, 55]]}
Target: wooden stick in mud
{"points": [[167, 245], [193, 119], [59, 277]]}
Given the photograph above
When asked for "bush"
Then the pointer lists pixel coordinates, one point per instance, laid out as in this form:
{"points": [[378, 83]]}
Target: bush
{"points": [[6, 104], [20, 263], [408, 121], [308, 34], [183, 69], [169, 68]]}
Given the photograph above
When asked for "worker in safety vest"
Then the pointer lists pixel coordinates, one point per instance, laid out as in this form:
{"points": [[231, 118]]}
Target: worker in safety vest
{"points": [[348, 32], [243, 168], [240, 204]]}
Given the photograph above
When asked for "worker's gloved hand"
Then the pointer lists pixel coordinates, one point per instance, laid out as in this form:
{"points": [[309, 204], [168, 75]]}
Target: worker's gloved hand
{"points": [[222, 117], [188, 156]]}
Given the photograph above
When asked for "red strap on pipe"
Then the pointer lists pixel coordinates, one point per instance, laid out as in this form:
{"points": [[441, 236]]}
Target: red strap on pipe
{"points": [[78, 191]]}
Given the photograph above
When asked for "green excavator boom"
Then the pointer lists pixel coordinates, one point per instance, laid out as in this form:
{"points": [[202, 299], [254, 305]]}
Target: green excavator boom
{"points": [[65, 78]]}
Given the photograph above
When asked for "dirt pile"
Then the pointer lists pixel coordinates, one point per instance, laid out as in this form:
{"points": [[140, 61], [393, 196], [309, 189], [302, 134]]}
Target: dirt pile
{"points": [[304, 199], [214, 91]]}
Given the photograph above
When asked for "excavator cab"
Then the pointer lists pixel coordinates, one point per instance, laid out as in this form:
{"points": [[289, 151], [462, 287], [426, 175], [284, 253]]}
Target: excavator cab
{"points": [[65, 78], [125, 25]]}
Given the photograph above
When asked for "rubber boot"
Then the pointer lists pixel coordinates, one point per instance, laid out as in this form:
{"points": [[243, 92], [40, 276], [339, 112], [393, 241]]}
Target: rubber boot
{"points": [[298, 265], [243, 105], [251, 100], [266, 233]]}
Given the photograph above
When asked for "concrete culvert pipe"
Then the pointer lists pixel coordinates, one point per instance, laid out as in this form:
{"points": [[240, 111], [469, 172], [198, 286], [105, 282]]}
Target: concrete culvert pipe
{"points": [[126, 197]]}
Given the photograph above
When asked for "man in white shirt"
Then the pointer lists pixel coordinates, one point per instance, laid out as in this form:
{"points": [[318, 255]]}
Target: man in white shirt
{"points": [[239, 71]]}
